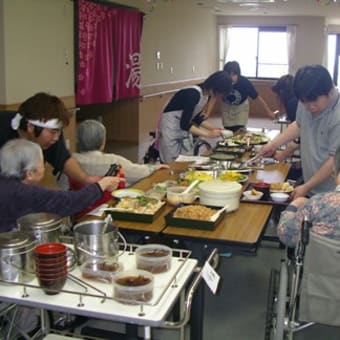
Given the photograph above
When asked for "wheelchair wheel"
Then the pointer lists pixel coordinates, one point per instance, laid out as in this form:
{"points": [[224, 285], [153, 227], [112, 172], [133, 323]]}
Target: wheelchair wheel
{"points": [[276, 304], [271, 297], [281, 303]]}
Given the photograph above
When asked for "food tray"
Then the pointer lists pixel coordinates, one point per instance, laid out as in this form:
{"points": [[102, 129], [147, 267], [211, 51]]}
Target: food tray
{"points": [[262, 200], [203, 175], [233, 150], [170, 220], [255, 139], [135, 217]]}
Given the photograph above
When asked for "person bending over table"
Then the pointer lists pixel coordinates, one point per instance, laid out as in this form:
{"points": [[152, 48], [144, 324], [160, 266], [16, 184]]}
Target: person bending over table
{"points": [[41, 119], [22, 168], [284, 90], [318, 126], [322, 210], [182, 117], [235, 107], [91, 144]]}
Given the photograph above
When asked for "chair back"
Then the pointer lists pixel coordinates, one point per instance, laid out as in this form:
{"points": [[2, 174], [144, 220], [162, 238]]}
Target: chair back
{"points": [[320, 287]]}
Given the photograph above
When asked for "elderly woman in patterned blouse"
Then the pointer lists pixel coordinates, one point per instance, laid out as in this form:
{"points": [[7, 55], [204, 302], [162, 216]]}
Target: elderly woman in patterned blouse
{"points": [[323, 210]]}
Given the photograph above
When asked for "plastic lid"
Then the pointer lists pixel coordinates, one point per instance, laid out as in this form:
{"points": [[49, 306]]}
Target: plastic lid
{"points": [[218, 186]]}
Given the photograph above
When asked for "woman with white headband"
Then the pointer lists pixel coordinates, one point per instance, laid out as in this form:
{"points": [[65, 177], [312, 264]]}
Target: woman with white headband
{"points": [[41, 119]]}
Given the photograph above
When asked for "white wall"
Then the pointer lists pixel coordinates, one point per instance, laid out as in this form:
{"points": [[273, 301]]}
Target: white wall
{"points": [[184, 34], [2, 59], [37, 34]]}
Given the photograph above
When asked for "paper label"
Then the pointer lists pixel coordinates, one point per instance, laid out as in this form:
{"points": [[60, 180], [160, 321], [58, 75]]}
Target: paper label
{"points": [[210, 277]]}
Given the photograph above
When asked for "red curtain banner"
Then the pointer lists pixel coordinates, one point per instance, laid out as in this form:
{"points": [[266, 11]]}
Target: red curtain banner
{"points": [[109, 53]]}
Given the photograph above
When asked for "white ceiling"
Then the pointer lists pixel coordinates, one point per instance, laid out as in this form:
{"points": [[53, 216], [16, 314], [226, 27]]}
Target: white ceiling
{"points": [[327, 8]]}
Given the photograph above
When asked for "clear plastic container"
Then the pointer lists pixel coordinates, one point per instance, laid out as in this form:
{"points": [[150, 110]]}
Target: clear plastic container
{"points": [[133, 286], [174, 195], [102, 270], [155, 258]]}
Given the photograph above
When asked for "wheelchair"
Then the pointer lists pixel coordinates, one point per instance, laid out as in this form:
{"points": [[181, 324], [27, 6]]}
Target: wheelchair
{"points": [[306, 289]]}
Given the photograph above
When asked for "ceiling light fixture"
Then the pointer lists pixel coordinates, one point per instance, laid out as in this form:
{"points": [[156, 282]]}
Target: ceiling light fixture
{"points": [[327, 2], [246, 1]]}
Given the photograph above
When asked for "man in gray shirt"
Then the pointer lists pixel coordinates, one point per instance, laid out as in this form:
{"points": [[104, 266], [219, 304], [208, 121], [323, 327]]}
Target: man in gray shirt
{"points": [[318, 126]]}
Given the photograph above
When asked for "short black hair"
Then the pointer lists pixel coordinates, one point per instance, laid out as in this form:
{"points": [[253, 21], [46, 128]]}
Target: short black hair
{"points": [[219, 83], [232, 67], [311, 82]]}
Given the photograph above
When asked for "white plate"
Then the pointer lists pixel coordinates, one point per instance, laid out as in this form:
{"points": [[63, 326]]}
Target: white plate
{"points": [[127, 193]]}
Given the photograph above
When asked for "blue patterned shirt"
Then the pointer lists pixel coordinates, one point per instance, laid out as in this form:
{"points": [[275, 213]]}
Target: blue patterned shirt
{"points": [[322, 210]]}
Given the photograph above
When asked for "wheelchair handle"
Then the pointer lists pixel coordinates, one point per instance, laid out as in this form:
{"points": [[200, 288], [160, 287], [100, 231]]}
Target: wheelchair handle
{"points": [[306, 225]]}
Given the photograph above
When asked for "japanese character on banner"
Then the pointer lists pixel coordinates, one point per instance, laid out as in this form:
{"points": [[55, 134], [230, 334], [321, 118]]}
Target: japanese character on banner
{"points": [[135, 70]]}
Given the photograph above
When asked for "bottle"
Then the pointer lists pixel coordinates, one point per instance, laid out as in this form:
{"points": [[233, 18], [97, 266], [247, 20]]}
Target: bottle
{"points": [[121, 174]]}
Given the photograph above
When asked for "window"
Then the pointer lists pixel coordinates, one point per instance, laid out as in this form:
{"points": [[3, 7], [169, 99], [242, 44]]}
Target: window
{"points": [[262, 52], [333, 57]]}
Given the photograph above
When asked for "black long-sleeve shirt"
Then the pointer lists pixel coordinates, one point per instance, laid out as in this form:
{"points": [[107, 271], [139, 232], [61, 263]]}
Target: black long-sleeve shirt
{"points": [[186, 100]]}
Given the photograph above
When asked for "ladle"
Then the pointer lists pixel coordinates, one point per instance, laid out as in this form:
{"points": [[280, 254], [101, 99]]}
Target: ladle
{"points": [[218, 213], [108, 220], [189, 187]]}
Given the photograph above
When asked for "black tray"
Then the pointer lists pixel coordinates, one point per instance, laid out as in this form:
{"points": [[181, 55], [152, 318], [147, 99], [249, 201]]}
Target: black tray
{"points": [[263, 199], [135, 217], [170, 220]]}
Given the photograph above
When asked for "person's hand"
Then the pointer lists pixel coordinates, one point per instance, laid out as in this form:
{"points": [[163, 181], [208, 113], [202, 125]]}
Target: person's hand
{"points": [[89, 179], [110, 183], [299, 191], [162, 166], [281, 155], [299, 202], [267, 150], [215, 133]]}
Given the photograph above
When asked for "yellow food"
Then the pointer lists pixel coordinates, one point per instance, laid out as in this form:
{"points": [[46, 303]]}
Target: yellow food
{"points": [[231, 176], [285, 187], [200, 175], [255, 192]]}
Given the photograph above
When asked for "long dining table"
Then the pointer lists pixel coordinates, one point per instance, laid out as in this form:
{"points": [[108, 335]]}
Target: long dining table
{"points": [[239, 231]]}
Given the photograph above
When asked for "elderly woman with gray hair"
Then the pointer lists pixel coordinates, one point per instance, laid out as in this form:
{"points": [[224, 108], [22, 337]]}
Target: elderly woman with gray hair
{"points": [[91, 144], [22, 168], [322, 210]]}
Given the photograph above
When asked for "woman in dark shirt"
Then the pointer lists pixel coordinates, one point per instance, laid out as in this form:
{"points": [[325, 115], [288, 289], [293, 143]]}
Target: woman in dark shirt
{"points": [[288, 102], [183, 116], [22, 168]]}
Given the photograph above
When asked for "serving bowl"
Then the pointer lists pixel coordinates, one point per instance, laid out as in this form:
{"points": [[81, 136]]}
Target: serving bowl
{"points": [[155, 258], [175, 196], [253, 195], [219, 193], [133, 286], [279, 197], [263, 187], [227, 133]]}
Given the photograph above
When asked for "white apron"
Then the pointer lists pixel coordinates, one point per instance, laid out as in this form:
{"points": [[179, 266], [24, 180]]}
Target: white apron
{"points": [[235, 114], [172, 140]]}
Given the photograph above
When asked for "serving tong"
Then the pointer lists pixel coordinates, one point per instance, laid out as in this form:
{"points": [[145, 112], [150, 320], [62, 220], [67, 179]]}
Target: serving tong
{"points": [[250, 160]]}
